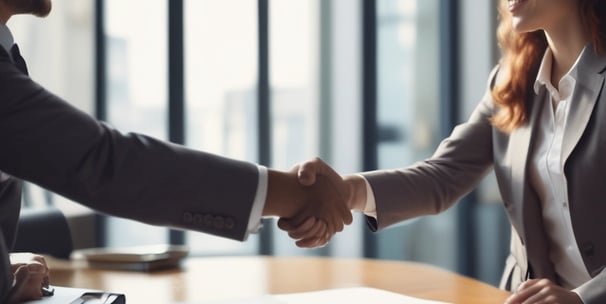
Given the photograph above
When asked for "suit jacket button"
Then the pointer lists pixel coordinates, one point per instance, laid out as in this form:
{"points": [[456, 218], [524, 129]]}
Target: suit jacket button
{"points": [[229, 223], [198, 219], [219, 222], [208, 220], [187, 217]]}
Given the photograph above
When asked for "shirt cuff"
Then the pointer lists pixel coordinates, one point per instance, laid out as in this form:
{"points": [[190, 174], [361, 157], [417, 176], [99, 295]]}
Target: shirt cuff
{"points": [[370, 208], [254, 221], [580, 294]]}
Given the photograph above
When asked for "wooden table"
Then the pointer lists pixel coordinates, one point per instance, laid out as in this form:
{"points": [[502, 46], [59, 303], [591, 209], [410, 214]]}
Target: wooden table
{"points": [[206, 279]]}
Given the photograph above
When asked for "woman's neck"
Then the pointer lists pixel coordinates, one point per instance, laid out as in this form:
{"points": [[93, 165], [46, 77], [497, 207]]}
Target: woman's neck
{"points": [[566, 42]]}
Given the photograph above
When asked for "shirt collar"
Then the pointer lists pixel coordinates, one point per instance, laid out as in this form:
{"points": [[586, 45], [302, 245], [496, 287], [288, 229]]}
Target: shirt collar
{"points": [[6, 38], [544, 75]]}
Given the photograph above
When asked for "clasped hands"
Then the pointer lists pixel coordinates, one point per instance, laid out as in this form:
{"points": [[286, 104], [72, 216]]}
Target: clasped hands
{"points": [[313, 202]]}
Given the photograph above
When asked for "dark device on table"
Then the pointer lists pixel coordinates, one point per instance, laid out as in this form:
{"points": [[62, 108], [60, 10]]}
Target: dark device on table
{"points": [[100, 298]]}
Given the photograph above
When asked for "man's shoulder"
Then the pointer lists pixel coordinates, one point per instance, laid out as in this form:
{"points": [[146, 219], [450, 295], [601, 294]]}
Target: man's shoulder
{"points": [[8, 69], [4, 55], [5, 60]]}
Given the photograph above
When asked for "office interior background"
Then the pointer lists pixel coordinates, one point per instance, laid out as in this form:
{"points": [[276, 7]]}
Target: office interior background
{"points": [[364, 84]]}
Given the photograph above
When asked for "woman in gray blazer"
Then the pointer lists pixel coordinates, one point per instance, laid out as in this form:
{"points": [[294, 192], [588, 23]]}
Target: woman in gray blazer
{"points": [[542, 127]]}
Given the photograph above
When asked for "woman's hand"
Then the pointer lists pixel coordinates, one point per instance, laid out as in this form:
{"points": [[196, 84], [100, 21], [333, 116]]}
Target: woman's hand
{"points": [[30, 274], [543, 291]]}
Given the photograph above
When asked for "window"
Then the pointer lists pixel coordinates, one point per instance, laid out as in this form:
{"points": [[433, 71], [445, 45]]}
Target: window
{"points": [[221, 68], [66, 37], [221, 55], [135, 39], [409, 119]]}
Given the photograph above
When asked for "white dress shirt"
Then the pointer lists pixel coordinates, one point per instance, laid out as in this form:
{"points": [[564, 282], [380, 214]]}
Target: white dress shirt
{"points": [[547, 175], [254, 221]]}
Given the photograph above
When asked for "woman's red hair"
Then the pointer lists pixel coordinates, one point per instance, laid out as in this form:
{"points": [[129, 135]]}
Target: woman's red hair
{"points": [[522, 54]]}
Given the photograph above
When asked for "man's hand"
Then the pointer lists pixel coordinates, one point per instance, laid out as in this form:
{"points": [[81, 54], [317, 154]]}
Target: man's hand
{"points": [[309, 233], [353, 187], [543, 291], [30, 275]]}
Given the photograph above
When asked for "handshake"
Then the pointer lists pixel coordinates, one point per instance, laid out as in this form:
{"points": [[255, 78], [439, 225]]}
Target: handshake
{"points": [[313, 201]]}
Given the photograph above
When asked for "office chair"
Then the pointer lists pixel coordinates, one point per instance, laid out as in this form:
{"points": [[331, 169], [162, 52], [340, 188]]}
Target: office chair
{"points": [[44, 231]]}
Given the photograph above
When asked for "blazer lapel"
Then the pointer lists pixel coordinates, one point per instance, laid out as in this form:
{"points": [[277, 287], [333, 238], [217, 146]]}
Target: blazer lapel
{"points": [[520, 145], [527, 209], [588, 87]]}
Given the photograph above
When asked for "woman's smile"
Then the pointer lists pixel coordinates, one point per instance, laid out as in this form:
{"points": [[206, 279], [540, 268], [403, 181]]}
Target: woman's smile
{"points": [[515, 5]]}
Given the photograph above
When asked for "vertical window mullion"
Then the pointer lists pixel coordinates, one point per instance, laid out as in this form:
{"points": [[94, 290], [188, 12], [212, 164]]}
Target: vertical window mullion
{"points": [[176, 86], [450, 105], [264, 108], [369, 105], [100, 98], [100, 62], [264, 118]]}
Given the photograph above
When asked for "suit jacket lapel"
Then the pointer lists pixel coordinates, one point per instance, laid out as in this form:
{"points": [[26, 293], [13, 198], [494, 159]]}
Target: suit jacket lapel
{"points": [[588, 87], [520, 144], [527, 211]]}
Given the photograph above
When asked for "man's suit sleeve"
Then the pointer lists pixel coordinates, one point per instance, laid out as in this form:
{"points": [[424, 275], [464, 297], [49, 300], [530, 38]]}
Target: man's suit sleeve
{"points": [[47, 141]]}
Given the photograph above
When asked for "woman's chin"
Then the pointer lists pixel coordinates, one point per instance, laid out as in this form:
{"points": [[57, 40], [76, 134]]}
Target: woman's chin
{"points": [[519, 26]]}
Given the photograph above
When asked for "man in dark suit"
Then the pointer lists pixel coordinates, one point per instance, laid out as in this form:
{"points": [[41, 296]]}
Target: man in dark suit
{"points": [[46, 141]]}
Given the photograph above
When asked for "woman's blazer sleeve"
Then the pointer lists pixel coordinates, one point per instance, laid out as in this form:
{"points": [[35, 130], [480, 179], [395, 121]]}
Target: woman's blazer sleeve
{"points": [[435, 184]]}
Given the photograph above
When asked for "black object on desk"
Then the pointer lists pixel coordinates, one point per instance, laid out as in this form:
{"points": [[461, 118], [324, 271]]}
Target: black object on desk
{"points": [[100, 298], [47, 291]]}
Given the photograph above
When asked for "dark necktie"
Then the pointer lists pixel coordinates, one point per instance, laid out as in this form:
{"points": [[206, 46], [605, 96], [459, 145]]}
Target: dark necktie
{"points": [[19, 61]]}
